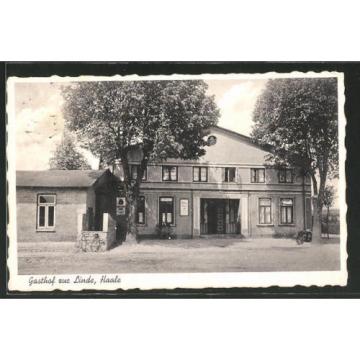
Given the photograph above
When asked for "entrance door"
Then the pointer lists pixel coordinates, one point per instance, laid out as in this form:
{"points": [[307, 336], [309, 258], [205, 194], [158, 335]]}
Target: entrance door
{"points": [[233, 217], [216, 216], [220, 216], [166, 211]]}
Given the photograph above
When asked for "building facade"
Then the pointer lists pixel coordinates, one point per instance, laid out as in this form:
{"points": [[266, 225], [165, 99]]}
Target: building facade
{"points": [[229, 191], [49, 203]]}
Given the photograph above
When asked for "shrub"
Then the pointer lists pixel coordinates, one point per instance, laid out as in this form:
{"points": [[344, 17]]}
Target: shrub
{"points": [[164, 231]]}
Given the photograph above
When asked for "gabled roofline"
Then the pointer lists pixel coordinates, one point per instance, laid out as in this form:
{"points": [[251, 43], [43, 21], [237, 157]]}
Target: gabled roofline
{"points": [[246, 138]]}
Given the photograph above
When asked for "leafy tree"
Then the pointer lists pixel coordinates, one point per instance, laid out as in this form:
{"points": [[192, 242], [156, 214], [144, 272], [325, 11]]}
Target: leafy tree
{"points": [[328, 200], [158, 119], [67, 157], [298, 118]]}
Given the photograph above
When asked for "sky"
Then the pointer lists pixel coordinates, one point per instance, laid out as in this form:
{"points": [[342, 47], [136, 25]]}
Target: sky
{"points": [[40, 123]]}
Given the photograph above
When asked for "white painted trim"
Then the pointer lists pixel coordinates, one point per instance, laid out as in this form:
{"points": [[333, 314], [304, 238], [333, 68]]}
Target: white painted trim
{"points": [[46, 206], [271, 211], [293, 211], [244, 216]]}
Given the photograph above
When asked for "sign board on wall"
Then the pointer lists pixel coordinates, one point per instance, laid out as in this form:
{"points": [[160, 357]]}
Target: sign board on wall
{"points": [[120, 206], [184, 207]]}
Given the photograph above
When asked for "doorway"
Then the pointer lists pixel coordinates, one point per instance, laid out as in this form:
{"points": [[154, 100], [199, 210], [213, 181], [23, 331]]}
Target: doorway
{"points": [[220, 216]]}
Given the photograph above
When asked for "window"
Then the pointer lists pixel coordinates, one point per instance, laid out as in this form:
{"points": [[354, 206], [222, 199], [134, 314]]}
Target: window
{"points": [[134, 171], [265, 211], [257, 175], [229, 174], [211, 140], [286, 211], [285, 176], [200, 174], [166, 211], [46, 212], [140, 218], [169, 173]]}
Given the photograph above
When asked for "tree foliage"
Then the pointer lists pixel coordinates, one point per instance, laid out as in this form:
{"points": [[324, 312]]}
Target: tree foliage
{"points": [[297, 117], [165, 119], [160, 119], [329, 196], [67, 157]]}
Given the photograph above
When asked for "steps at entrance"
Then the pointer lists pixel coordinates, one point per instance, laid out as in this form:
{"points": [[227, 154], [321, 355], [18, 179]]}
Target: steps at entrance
{"points": [[221, 236]]}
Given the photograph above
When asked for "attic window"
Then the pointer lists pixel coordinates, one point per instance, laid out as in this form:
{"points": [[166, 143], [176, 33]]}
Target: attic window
{"points": [[211, 140]]}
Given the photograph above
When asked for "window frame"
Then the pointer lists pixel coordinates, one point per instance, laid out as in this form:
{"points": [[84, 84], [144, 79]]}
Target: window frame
{"points": [[143, 223], [169, 170], [46, 205], [228, 168], [200, 168], [211, 140], [286, 171], [173, 223], [255, 179], [271, 223], [287, 206]]}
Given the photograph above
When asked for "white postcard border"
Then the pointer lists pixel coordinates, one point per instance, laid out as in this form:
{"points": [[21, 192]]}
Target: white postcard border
{"points": [[146, 281]]}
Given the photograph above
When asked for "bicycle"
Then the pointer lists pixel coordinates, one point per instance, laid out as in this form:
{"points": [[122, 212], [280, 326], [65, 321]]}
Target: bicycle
{"points": [[303, 236], [91, 244]]}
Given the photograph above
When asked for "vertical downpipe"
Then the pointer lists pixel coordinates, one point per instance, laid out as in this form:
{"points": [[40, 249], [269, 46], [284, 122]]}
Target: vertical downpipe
{"points": [[192, 213], [304, 201]]}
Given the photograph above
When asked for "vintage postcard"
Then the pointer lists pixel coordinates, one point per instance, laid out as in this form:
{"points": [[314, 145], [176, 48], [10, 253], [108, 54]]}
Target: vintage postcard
{"points": [[180, 181]]}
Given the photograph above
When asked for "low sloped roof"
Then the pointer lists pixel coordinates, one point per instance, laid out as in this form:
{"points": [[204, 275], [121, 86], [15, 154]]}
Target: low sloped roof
{"points": [[58, 178]]}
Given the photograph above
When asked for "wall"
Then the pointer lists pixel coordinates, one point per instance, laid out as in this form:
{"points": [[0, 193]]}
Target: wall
{"points": [[68, 203], [230, 150], [183, 224], [243, 187], [97, 240], [243, 181], [275, 229], [155, 187]]}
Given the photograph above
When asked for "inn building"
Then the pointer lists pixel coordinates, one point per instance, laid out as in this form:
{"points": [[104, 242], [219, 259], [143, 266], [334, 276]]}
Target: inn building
{"points": [[230, 191]]}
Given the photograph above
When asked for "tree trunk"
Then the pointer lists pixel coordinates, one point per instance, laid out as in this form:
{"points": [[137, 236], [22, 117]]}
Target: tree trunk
{"points": [[316, 226], [327, 222], [316, 230], [131, 231], [132, 189]]}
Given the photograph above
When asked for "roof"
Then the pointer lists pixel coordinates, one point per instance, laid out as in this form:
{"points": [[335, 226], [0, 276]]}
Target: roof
{"points": [[244, 137], [58, 178], [247, 139]]}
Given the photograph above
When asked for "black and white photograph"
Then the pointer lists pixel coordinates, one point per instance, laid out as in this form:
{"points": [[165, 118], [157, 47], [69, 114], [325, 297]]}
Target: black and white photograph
{"points": [[160, 182], [180, 180]]}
